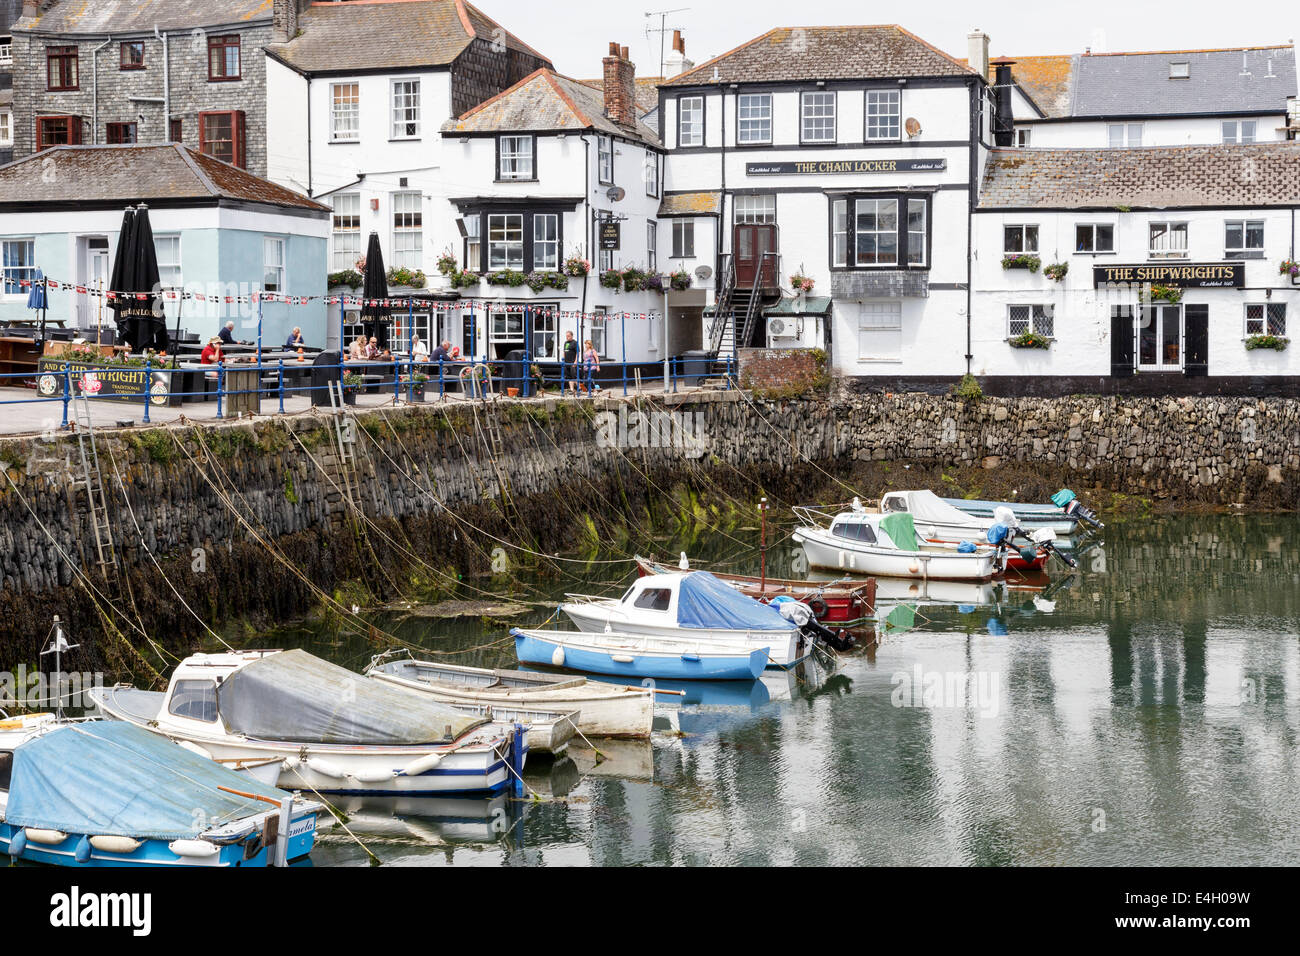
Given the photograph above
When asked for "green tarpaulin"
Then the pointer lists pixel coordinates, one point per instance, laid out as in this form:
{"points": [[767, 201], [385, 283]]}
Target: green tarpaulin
{"points": [[901, 530]]}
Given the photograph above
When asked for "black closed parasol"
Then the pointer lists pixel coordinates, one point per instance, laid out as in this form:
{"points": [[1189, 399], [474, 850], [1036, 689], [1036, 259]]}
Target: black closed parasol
{"points": [[135, 279], [374, 318]]}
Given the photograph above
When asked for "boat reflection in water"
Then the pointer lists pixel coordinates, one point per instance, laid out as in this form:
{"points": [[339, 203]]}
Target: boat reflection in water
{"points": [[421, 822]]}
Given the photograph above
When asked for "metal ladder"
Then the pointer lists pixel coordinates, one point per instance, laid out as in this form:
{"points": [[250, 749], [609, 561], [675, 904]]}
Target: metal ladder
{"points": [[496, 449], [92, 480]]}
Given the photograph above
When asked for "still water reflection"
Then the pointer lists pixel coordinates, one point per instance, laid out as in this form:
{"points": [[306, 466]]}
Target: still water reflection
{"points": [[1145, 711]]}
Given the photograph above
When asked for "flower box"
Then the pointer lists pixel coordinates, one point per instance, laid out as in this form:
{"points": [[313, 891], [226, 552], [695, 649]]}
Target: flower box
{"points": [[1022, 261], [1277, 343], [1030, 340]]}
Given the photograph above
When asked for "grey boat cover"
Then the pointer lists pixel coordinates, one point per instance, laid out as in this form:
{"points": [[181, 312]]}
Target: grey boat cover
{"points": [[294, 696]]}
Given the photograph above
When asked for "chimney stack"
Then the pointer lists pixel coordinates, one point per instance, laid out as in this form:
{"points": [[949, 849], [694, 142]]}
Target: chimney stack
{"points": [[31, 8], [978, 52], [620, 87], [676, 63], [284, 20]]}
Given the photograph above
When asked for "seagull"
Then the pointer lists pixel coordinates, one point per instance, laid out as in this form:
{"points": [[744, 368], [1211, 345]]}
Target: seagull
{"points": [[684, 563]]}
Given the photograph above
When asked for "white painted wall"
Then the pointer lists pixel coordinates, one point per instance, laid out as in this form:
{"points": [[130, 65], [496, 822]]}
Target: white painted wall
{"points": [[1093, 134]]}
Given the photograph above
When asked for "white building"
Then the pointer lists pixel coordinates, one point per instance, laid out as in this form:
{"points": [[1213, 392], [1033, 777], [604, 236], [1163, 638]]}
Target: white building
{"points": [[845, 155]]}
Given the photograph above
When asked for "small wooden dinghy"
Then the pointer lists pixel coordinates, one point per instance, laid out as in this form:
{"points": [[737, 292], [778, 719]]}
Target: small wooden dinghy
{"points": [[605, 710], [639, 655]]}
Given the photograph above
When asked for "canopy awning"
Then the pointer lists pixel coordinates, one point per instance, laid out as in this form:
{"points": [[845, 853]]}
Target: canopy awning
{"points": [[800, 305]]}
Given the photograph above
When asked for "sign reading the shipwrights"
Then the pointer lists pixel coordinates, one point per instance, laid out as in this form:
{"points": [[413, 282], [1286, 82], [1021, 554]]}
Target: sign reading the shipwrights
{"points": [[1183, 275], [832, 167]]}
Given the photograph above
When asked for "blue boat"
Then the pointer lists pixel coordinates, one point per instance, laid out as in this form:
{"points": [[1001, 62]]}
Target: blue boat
{"points": [[107, 794], [639, 655]]}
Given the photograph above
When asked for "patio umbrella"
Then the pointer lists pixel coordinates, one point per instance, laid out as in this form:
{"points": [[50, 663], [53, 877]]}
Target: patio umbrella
{"points": [[38, 299], [374, 318], [123, 276], [153, 320], [135, 271]]}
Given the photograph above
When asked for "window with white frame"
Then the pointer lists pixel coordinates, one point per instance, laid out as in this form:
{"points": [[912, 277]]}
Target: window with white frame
{"points": [[6, 51], [1243, 238], [546, 241], [345, 232], [597, 332], [605, 159], [1265, 318], [1022, 319], [473, 244], [605, 260], [272, 264], [6, 128], [818, 111], [345, 113], [1239, 131], [1094, 237], [168, 249], [506, 241], [880, 332], [875, 229], [651, 173], [1168, 240], [515, 159], [1160, 337], [917, 223], [840, 232], [754, 118], [408, 230], [507, 326], [884, 114], [1180, 70], [18, 260], [1023, 138], [406, 109], [690, 121], [1121, 135], [1019, 239], [683, 238], [652, 245], [755, 210], [544, 326]]}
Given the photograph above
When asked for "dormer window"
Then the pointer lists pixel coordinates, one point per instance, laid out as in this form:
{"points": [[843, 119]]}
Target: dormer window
{"points": [[1180, 70]]}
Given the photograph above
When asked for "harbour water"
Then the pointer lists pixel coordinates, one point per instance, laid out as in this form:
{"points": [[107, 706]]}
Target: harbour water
{"points": [[1146, 711]]}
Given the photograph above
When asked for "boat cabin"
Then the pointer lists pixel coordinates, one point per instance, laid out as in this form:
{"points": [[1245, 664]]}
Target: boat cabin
{"points": [[192, 693], [854, 526], [653, 593]]}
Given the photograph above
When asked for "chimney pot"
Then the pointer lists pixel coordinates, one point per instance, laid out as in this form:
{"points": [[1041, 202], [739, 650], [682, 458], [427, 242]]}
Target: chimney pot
{"points": [[624, 53], [620, 87], [613, 49], [679, 44]]}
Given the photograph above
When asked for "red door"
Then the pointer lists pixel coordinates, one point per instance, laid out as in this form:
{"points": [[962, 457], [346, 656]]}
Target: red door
{"points": [[751, 242]]}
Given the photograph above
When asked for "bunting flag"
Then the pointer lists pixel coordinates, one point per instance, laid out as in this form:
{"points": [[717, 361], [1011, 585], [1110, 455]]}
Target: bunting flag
{"points": [[422, 305]]}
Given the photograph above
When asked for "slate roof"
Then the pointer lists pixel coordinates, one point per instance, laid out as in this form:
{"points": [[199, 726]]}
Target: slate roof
{"points": [[647, 91], [826, 53], [1219, 176], [388, 34], [692, 204], [122, 174], [141, 16], [542, 101]]}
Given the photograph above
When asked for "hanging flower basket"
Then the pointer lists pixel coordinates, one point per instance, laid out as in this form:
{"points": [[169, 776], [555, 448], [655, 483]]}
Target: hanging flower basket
{"points": [[1022, 261], [1057, 271], [634, 279], [680, 280], [447, 263], [1290, 268], [611, 279], [577, 267], [1165, 293]]}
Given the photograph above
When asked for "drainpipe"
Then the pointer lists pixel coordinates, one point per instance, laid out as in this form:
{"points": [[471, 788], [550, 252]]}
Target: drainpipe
{"points": [[722, 198], [309, 139], [94, 92], [590, 229], [976, 107], [167, 87]]}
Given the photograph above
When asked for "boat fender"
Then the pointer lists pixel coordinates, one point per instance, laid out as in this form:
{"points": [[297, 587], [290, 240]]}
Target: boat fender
{"points": [[18, 844], [46, 837], [194, 748], [557, 657], [290, 764], [688, 657], [626, 659], [326, 768], [914, 568], [193, 849], [422, 766], [998, 533], [818, 607], [115, 844], [1029, 554], [82, 853], [373, 776], [966, 547]]}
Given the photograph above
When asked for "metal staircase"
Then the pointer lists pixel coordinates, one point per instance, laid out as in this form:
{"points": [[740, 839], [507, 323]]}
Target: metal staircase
{"points": [[722, 329]]}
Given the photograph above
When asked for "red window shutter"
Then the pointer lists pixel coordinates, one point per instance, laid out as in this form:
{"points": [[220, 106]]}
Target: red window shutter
{"points": [[241, 157], [74, 131]]}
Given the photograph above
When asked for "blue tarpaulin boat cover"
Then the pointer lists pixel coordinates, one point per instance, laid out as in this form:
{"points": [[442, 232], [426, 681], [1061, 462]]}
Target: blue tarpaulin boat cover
{"points": [[705, 602], [107, 778]]}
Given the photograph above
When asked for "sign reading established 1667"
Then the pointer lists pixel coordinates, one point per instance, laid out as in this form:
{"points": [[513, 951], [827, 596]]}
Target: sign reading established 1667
{"points": [[1183, 275], [830, 167]]}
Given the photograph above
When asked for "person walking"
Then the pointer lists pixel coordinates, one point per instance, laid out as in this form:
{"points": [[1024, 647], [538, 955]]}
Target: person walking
{"points": [[590, 366], [570, 358]]}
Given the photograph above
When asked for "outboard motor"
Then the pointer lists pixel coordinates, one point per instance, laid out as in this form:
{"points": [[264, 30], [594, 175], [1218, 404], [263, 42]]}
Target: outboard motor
{"points": [[1069, 502], [802, 616]]}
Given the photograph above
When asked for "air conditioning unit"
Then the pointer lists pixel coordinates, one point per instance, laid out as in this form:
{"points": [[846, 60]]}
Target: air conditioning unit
{"points": [[778, 328]]}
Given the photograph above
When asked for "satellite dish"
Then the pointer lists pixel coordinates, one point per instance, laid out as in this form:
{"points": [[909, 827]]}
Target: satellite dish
{"points": [[703, 273], [616, 193], [912, 126]]}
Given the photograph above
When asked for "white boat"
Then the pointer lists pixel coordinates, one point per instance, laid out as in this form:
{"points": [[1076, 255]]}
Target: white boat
{"points": [[641, 655], [333, 731], [605, 710], [863, 542], [695, 606], [548, 730], [937, 520]]}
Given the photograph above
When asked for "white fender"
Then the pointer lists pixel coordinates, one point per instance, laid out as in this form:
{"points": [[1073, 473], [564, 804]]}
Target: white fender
{"points": [[557, 656], [422, 765], [326, 768], [194, 748], [290, 763], [46, 837], [193, 849], [621, 658], [115, 844], [373, 776]]}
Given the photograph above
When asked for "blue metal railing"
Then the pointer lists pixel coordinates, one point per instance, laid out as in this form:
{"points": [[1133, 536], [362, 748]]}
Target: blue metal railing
{"points": [[61, 382]]}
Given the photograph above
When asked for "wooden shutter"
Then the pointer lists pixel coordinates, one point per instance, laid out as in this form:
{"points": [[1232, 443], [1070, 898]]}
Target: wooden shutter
{"points": [[1196, 341], [1121, 342], [237, 125]]}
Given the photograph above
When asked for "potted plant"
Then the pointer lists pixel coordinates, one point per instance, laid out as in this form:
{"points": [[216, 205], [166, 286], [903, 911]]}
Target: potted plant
{"points": [[557, 280], [634, 279], [464, 279], [537, 281], [402, 276], [680, 280], [1022, 260], [1057, 271], [347, 279], [1290, 268], [654, 282], [413, 385], [577, 267], [611, 279], [1031, 340], [351, 385], [1277, 343]]}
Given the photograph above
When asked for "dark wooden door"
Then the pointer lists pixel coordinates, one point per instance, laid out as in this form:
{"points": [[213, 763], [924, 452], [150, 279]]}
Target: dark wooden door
{"points": [[752, 243]]}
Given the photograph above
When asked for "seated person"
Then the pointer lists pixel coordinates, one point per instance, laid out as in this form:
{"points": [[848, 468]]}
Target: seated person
{"points": [[211, 354], [373, 351], [442, 353], [295, 340], [357, 351], [227, 334]]}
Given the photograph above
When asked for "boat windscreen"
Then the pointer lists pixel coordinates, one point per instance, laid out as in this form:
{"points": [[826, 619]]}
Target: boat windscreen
{"points": [[294, 696]]}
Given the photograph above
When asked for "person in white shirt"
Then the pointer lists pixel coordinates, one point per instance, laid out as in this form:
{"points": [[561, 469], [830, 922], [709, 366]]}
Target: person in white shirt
{"points": [[419, 351]]}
